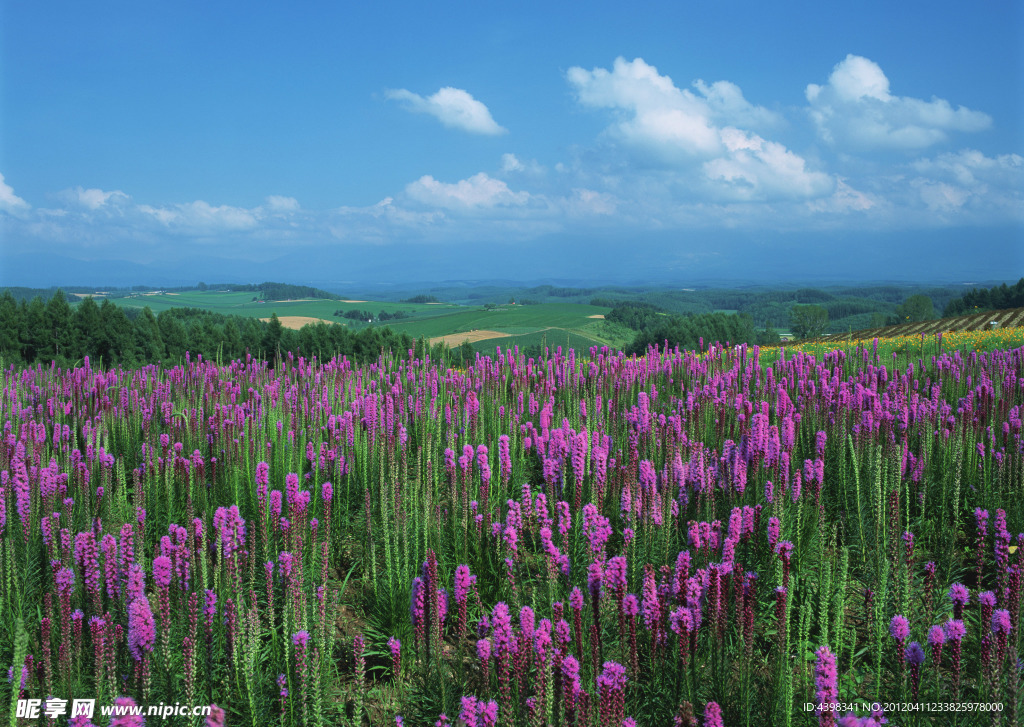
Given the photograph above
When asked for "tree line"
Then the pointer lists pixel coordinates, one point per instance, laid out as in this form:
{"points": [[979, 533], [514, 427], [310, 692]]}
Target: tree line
{"points": [[33, 332], [982, 299], [656, 327]]}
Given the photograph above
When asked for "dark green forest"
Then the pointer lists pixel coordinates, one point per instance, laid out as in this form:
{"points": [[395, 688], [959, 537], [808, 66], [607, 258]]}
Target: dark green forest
{"points": [[270, 291], [35, 331], [995, 298]]}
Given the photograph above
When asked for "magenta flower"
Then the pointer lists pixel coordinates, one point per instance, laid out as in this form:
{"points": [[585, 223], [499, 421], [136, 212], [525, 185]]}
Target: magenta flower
{"points": [[468, 713], [488, 713], [960, 597], [630, 605], [915, 654], [464, 581], [611, 684], [713, 715], [774, 529], [899, 627], [141, 628], [955, 630], [1001, 621], [125, 717], [936, 638], [501, 630], [826, 680], [955, 633], [395, 647], [216, 717], [162, 571], [615, 576]]}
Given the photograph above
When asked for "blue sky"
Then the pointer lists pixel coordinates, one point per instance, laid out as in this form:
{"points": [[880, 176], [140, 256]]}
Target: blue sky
{"points": [[339, 141]]}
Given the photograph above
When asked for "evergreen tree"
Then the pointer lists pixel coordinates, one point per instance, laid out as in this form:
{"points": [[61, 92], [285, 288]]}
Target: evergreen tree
{"points": [[272, 336], [60, 333], [33, 331], [87, 328], [10, 327], [174, 336], [148, 341], [231, 340], [117, 344]]}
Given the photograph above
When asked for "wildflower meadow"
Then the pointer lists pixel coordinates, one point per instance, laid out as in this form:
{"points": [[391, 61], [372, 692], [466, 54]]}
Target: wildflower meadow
{"points": [[727, 536]]}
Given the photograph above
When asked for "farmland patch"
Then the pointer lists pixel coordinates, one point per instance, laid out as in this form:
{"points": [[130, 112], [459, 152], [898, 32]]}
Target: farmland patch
{"points": [[297, 322], [457, 339]]}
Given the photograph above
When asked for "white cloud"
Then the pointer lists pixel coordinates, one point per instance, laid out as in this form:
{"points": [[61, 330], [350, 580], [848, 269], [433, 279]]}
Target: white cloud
{"points": [[968, 181], [755, 168], [202, 217], [728, 106], [970, 167], [845, 199], [94, 199], [478, 192], [939, 196], [855, 108], [587, 202], [9, 201], [677, 128], [657, 113], [277, 203], [510, 163], [453, 107]]}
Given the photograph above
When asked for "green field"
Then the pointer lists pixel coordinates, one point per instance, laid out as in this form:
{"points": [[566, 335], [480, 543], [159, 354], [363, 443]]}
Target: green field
{"points": [[243, 304], [549, 324]]}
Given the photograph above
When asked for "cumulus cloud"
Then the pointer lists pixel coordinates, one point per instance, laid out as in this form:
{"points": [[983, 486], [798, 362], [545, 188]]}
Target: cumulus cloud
{"points": [[9, 201], [969, 181], [727, 105], [679, 128], [477, 192], [453, 107], [856, 108], [654, 111], [754, 167]]}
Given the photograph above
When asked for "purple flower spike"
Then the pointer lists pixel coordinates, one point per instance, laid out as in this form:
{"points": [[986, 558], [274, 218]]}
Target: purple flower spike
{"points": [[899, 627], [713, 715], [915, 654]]}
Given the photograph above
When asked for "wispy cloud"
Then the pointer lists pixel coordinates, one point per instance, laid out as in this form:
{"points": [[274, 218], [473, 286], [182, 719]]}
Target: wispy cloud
{"points": [[277, 203], [453, 107], [855, 108]]}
